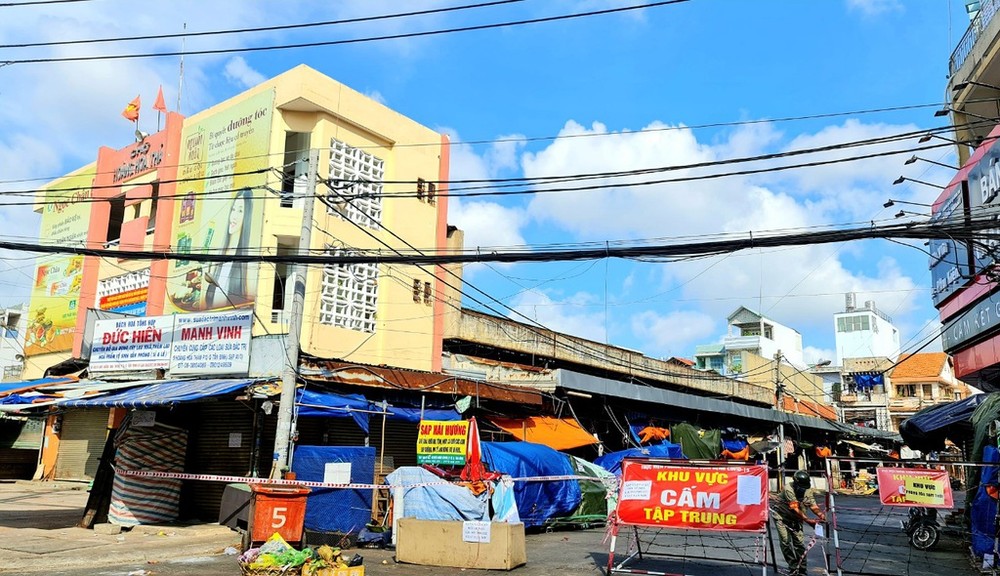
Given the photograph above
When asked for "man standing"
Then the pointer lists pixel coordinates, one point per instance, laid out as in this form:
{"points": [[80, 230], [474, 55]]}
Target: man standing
{"points": [[789, 507]]}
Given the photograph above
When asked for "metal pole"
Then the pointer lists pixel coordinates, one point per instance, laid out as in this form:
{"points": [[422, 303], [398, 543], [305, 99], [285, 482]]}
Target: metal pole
{"points": [[286, 412], [832, 511], [781, 424]]}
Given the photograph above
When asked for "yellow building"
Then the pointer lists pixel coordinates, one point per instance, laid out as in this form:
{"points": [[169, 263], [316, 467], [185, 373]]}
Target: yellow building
{"points": [[231, 179]]}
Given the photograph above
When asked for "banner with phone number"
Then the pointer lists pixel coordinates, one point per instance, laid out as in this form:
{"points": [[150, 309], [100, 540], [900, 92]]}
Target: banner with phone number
{"points": [[732, 498], [924, 487]]}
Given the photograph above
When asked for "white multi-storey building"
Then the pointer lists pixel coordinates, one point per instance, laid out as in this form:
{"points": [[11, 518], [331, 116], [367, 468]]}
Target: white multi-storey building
{"points": [[864, 332]]}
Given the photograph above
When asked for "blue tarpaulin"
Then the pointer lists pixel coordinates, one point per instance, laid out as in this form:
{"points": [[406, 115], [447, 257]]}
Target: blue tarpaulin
{"points": [[984, 506], [413, 414], [336, 509], [612, 461], [330, 405], [927, 429], [7, 387], [163, 393], [536, 501], [437, 501]]}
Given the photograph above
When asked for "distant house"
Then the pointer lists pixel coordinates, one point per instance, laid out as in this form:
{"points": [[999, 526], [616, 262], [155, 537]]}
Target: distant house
{"points": [[680, 361], [921, 380]]}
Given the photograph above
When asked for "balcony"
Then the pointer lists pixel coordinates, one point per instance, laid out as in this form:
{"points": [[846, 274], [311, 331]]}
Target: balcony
{"points": [[966, 46], [910, 404], [742, 342], [855, 399]]}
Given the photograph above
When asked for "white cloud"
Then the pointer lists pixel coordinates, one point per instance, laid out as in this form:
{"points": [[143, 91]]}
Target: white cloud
{"points": [[570, 314], [700, 209], [239, 73], [673, 333], [485, 223], [813, 355], [874, 7], [377, 96]]}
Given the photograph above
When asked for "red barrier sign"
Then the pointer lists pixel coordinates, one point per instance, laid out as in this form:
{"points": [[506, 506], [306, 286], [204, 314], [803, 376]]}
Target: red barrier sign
{"points": [[914, 487], [696, 497]]}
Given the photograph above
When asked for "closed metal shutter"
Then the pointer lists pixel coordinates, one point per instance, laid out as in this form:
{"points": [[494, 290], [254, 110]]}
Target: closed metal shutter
{"points": [[220, 442], [81, 442], [400, 443]]}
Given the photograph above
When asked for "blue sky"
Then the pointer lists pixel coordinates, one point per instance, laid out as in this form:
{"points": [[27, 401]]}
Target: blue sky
{"points": [[666, 70]]}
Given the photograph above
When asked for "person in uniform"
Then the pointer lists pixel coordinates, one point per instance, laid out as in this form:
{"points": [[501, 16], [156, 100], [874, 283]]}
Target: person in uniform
{"points": [[789, 508]]}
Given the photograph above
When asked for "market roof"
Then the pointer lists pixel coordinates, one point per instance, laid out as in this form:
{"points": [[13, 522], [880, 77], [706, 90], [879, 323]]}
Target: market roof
{"points": [[923, 365], [354, 374], [163, 393]]}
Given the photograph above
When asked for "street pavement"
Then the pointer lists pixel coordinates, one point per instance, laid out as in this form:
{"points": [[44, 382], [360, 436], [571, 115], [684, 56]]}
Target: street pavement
{"points": [[37, 536]]}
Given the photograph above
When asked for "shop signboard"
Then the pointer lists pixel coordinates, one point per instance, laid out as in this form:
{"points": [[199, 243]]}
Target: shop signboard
{"points": [[984, 200], [442, 442], [126, 293], [924, 487], [124, 344], [970, 324], [222, 174], [211, 343], [55, 292], [658, 495], [949, 260]]}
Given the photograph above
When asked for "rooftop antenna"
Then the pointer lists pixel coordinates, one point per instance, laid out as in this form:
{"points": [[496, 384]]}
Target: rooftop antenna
{"points": [[180, 81]]}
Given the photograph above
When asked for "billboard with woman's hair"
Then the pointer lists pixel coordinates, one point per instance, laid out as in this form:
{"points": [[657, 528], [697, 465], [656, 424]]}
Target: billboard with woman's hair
{"points": [[220, 206]]}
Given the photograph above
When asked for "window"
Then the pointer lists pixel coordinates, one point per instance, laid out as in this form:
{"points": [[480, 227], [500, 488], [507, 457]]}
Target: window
{"points": [[906, 391], [416, 290], [350, 293], [115, 219], [928, 391], [296, 167], [958, 395], [431, 193], [154, 198], [853, 323], [281, 271], [421, 188], [428, 294], [357, 178]]}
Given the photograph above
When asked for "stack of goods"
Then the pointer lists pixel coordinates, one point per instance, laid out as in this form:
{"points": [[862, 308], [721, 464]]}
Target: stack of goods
{"points": [[276, 557]]}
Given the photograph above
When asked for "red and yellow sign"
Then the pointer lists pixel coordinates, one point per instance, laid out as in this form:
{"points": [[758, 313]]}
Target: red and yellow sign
{"points": [[702, 498], [442, 442], [915, 487]]}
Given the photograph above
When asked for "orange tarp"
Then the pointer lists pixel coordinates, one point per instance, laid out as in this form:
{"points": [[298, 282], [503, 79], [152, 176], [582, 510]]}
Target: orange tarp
{"points": [[556, 433]]}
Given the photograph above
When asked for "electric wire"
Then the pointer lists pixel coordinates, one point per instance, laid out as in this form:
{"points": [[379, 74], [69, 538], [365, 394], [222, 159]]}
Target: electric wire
{"points": [[253, 30], [347, 41]]}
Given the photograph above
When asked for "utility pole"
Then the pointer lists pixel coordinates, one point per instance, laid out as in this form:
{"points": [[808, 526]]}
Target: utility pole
{"points": [[778, 390], [286, 410]]}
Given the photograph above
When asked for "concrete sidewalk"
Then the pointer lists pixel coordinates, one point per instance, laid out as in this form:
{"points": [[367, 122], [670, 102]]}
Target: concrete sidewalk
{"points": [[38, 533]]}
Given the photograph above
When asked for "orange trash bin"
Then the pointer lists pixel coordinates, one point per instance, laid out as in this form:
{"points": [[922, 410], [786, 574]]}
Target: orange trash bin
{"points": [[277, 508]]}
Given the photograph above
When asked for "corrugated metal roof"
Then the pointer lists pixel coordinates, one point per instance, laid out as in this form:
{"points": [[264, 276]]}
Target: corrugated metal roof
{"points": [[163, 393]]}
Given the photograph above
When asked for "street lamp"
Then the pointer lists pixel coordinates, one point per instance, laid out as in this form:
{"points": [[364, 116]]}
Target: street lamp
{"points": [[914, 158], [890, 203], [902, 179], [948, 110], [963, 85]]}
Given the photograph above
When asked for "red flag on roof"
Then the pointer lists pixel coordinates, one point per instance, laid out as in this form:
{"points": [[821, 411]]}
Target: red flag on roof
{"points": [[131, 112], [160, 105]]}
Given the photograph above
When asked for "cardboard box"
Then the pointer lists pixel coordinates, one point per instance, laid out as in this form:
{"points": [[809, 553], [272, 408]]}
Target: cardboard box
{"points": [[441, 543]]}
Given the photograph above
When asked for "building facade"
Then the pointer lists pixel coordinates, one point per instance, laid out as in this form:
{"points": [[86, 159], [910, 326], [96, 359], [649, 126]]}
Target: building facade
{"points": [[233, 179], [13, 325], [921, 380], [864, 332]]}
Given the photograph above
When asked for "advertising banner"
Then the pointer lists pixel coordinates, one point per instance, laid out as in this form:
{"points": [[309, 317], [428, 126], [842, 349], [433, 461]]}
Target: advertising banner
{"points": [[125, 293], [212, 343], [220, 207], [949, 260], [731, 498], [56, 288], [442, 442], [915, 487], [131, 344]]}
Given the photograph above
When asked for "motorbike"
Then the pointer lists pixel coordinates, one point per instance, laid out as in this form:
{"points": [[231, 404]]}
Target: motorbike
{"points": [[922, 528]]}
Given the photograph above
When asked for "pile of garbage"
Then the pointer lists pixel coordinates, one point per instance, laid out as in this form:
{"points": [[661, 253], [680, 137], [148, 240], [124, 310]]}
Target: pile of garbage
{"points": [[276, 556]]}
